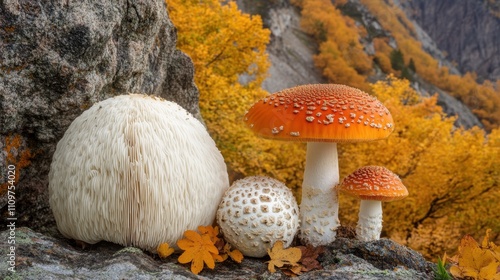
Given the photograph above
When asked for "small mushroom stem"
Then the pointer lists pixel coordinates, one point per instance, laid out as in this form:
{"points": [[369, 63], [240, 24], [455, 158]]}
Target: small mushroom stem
{"points": [[370, 220], [319, 205]]}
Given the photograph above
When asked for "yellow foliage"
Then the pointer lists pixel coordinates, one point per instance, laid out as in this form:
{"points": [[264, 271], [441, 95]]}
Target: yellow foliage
{"points": [[477, 261], [382, 53], [431, 238], [449, 172], [280, 257], [341, 56], [484, 98], [226, 45]]}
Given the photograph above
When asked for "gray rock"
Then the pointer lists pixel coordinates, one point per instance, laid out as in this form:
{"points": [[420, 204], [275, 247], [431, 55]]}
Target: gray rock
{"points": [[466, 30], [43, 257], [57, 58], [290, 50], [451, 106]]}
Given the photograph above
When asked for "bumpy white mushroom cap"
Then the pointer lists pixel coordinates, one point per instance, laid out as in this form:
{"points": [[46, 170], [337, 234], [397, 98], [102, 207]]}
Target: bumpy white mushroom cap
{"points": [[257, 211], [135, 170]]}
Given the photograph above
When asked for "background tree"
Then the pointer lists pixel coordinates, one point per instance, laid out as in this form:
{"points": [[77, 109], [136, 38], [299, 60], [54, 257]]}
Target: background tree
{"points": [[228, 50], [452, 174], [341, 56]]}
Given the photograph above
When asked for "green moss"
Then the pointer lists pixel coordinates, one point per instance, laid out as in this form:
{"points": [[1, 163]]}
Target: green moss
{"points": [[13, 276], [132, 250], [22, 237]]}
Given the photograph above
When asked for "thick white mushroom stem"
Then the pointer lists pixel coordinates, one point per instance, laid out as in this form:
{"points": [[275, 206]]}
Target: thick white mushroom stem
{"points": [[319, 205], [369, 220]]}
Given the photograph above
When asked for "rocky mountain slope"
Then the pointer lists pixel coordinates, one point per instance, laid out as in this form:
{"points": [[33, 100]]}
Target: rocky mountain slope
{"points": [[468, 31], [291, 52]]}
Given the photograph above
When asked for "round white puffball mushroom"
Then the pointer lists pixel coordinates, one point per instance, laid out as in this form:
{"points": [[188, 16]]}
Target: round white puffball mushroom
{"points": [[135, 170], [257, 211]]}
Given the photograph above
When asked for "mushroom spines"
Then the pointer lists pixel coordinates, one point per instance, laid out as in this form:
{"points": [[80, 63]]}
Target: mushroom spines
{"points": [[135, 170], [257, 211], [320, 112]]}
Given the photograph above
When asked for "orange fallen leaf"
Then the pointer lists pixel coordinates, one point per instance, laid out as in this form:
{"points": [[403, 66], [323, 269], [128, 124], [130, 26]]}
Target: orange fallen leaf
{"points": [[213, 232], [235, 255], [199, 250], [280, 256], [164, 250]]}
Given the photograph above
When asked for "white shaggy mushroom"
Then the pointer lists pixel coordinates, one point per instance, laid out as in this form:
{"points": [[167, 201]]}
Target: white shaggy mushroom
{"points": [[135, 170], [257, 211]]}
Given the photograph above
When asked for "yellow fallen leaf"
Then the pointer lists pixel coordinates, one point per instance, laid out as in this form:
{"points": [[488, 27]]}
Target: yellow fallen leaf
{"points": [[235, 255], [198, 249], [489, 271], [477, 261], [164, 250], [213, 232], [456, 271], [485, 243], [280, 256]]}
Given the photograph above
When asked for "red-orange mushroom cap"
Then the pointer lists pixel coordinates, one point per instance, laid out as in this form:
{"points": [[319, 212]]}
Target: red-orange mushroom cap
{"points": [[374, 183], [320, 113]]}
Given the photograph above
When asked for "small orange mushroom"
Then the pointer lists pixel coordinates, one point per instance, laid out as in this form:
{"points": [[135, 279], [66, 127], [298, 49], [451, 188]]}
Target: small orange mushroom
{"points": [[372, 184]]}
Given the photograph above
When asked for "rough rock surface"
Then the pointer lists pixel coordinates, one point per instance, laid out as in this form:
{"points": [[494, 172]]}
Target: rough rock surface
{"points": [[290, 50], [57, 58], [466, 30], [451, 106], [42, 257]]}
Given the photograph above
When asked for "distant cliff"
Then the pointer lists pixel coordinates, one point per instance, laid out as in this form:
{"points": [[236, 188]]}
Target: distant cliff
{"points": [[291, 52], [468, 31]]}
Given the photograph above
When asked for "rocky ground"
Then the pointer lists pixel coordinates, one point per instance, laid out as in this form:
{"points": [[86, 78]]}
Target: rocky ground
{"points": [[40, 256]]}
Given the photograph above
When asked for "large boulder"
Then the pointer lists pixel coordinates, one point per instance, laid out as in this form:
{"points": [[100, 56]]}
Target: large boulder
{"points": [[57, 58]]}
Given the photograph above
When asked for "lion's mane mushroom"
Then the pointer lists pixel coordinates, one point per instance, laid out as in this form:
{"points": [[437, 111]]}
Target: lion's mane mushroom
{"points": [[135, 170], [322, 115], [372, 184], [257, 211]]}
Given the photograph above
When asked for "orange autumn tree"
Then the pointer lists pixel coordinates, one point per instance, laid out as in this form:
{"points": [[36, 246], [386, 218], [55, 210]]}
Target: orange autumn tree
{"points": [[452, 174], [228, 51], [483, 99]]}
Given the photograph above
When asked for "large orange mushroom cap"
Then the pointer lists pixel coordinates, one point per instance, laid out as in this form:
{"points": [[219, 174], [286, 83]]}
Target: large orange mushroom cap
{"points": [[374, 183], [320, 113]]}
